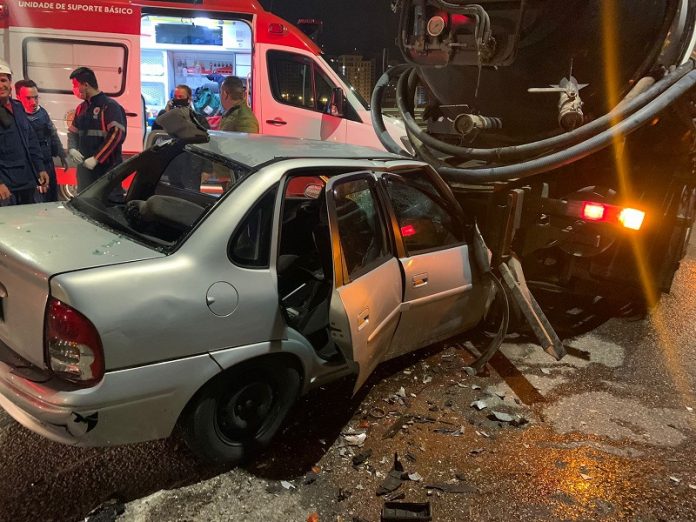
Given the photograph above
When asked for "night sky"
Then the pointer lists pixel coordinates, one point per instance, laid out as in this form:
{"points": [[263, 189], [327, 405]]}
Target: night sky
{"points": [[365, 25]]}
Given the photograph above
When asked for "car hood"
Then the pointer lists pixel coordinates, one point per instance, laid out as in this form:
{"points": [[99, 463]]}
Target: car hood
{"points": [[51, 238]]}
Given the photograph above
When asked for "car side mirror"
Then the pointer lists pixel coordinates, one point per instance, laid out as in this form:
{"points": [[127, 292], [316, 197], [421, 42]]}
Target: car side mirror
{"points": [[337, 103]]}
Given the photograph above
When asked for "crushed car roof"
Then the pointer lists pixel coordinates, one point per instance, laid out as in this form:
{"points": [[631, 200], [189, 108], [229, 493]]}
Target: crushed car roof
{"points": [[253, 150]]}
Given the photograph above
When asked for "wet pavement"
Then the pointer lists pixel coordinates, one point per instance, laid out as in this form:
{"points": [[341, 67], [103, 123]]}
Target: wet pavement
{"points": [[607, 433]]}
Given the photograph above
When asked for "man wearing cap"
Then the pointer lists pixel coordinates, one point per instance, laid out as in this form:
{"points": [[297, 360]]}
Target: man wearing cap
{"points": [[21, 165], [98, 129]]}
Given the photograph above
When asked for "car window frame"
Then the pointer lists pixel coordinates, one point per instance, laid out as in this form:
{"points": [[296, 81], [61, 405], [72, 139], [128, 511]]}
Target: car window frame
{"points": [[444, 198], [271, 191], [341, 275]]}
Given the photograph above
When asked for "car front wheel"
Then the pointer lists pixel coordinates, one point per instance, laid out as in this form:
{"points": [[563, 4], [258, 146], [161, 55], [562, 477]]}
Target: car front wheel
{"points": [[238, 413]]}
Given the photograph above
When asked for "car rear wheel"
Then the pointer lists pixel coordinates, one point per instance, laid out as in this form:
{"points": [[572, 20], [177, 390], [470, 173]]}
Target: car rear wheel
{"points": [[239, 412]]}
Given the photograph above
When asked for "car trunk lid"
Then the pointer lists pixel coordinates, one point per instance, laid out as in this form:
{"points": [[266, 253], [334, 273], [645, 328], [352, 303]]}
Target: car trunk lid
{"points": [[37, 242]]}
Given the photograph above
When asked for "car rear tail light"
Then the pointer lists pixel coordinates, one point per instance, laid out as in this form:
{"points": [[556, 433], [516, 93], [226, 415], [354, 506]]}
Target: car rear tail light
{"points": [[73, 347]]}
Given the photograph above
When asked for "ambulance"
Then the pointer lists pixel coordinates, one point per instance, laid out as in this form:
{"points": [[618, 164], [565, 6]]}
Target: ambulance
{"points": [[140, 50]]}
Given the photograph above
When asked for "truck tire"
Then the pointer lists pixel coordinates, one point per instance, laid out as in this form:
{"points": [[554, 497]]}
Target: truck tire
{"points": [[237, 413]]}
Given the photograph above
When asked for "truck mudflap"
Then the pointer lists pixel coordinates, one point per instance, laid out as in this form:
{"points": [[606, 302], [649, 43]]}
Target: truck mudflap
{"points": [[513, 277]]}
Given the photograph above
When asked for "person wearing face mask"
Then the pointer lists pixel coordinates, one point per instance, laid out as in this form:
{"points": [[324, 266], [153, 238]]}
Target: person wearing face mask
{"points": [[98, 129], [21, 166], [28, 93], [181, 100]]}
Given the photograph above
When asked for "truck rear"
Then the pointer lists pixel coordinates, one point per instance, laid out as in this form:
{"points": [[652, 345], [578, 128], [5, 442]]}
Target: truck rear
{"points": [[566, 129]]}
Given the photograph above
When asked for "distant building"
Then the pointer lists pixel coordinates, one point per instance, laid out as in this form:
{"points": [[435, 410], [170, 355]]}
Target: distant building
{"points": [[359, 71]]}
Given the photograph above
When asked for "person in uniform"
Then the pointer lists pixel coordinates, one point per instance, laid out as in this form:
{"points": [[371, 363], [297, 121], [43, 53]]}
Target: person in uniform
{"points": [[98, 129], [28, 93], [21, 166]]}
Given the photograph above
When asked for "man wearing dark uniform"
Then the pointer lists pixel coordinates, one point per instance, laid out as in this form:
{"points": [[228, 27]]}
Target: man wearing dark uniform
{"points": [[98, 129], [21, 167], [28, 93]]}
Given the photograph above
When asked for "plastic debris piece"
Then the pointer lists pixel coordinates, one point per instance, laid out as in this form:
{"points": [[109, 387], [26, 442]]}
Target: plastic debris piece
{"points": [[501, 416], [546, 371], [585, 476], [475, 387], [479, 405], [401, 392], [394, 479], [469, 371], [689, 409], [360, 458], [674, 479], [427, 379], [513, 420], [415, 477], [402, 511], [395, 496], [356, 440], [287, 485], [692, 486], [396, 426]]}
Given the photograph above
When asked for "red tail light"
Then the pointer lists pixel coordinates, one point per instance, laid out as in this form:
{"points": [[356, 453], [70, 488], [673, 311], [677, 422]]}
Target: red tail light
{"points": [[626, 217], [593, 211], [73, 347]]}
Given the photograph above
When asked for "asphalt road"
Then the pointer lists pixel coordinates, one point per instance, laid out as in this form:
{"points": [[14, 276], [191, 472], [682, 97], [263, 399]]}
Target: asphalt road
{"points": [[607, 433]]}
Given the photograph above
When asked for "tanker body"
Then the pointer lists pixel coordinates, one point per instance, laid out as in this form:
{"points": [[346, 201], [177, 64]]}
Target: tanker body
{"points": [[566, 128]]}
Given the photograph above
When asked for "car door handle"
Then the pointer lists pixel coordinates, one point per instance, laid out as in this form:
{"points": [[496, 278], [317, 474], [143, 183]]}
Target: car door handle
{"points": [[419, 280], [131, 114], [363, 318], [277, 122]]}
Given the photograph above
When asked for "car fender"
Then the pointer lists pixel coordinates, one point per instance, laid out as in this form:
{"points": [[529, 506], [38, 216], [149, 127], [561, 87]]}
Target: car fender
{"points": [[314, 370]]}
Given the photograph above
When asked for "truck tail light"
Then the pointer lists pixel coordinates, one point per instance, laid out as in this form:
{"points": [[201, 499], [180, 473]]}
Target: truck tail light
{"points": [[593, 211], [626, 217], [631, 218], [73, 347]]}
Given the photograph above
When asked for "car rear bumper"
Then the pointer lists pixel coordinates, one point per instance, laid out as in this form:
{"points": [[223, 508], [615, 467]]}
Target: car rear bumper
{"points": [[127, 406]]}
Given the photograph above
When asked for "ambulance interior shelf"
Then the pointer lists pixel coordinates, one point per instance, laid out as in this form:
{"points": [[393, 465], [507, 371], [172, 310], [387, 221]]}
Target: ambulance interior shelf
{"points": [[198, 52]]}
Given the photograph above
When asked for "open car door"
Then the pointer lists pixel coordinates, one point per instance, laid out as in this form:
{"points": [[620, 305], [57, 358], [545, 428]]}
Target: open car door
{"points": [[367, 285]]}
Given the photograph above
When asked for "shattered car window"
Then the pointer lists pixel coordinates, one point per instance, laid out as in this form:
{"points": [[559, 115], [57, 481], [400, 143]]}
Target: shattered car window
{"points": [[159, 196]]}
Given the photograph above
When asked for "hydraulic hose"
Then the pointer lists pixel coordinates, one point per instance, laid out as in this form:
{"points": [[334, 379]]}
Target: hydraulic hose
{"points": [[623, 110], [576, 152], [376, 112]]}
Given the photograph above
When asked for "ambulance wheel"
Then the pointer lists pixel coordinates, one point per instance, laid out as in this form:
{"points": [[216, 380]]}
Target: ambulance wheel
{"points": [[67, 192], [237, 413]]}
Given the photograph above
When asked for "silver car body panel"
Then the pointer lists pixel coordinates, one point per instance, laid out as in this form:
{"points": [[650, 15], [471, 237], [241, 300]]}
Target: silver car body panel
{"points": [[130, 405], [38, 241], [162, 338], [437, 293]]}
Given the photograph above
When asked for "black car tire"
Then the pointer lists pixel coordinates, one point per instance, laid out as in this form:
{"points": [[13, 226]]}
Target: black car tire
{"points": [[238, 412]]}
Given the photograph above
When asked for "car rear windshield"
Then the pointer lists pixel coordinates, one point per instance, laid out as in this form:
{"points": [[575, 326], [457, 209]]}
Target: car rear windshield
{"points": [[158, 197]]}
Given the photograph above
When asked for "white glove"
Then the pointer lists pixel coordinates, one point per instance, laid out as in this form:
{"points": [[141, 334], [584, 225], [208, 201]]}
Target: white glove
{"points": [[76, 156], [90, 162]]}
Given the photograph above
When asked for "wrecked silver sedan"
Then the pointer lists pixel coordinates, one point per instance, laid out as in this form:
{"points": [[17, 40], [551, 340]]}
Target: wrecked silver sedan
{"points": [[120, 319]]}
